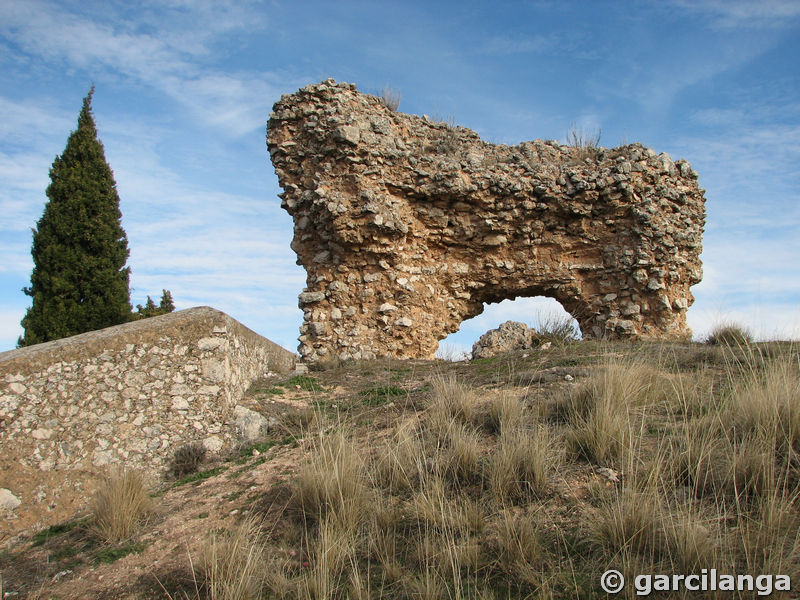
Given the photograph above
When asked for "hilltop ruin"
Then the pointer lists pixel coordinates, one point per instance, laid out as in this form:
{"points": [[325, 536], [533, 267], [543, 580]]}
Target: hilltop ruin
{"points": [[407, 227]]}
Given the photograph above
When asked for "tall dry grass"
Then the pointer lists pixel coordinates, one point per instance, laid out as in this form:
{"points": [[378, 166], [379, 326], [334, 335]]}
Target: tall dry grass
{"points": [[119, 505], [231, 563], [471, 496], [603, 410], [333, 484]]}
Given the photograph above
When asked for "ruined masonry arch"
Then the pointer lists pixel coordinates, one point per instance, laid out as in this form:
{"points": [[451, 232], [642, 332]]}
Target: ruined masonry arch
{"points": [[407, 227]]}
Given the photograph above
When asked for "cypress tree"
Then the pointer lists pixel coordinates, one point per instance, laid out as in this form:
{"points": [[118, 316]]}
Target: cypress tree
{"points": [[79, 281]]}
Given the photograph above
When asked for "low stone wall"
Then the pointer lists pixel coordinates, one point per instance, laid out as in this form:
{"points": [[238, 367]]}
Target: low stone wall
{"points": [[131, 393]]}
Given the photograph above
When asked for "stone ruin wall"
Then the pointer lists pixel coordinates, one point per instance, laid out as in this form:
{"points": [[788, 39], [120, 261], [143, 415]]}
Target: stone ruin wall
{"points": [[407, 227], [129, 394]]}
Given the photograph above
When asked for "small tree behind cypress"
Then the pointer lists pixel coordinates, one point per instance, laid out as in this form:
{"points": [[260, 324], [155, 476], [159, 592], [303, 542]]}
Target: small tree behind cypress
{"points": [[166, 305], [79, 281]]}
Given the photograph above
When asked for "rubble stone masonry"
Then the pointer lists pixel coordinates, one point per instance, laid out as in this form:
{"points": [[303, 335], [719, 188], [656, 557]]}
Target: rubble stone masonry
{"points": [[129, 394], [407, 227]]}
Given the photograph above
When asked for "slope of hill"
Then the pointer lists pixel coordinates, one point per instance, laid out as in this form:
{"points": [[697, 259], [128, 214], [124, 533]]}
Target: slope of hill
{"points": [[525, 475]]}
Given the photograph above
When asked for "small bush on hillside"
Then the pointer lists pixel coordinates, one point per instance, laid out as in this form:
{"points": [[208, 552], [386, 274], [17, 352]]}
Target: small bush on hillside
{"points": [[555, 328], [729, 334], [391, 98], [586, 144], [187, 460]]}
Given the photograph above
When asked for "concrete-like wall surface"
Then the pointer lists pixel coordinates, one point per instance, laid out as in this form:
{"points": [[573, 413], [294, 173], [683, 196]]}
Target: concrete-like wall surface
{"points": [[128, 394]]}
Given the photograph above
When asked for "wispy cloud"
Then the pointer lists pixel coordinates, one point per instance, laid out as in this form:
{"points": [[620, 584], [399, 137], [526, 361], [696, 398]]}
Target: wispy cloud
{"points": [[731, 14], [234, 103]]}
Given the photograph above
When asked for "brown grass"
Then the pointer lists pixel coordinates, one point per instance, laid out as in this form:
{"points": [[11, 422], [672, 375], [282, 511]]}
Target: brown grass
{"points": [[119, 505], [334, 483], [465, 492], [523, 464], [231, 564]]}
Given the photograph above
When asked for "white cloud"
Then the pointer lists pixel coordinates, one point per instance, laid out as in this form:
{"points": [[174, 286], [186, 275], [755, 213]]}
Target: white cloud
{"points": [[28, 124], [234, 103], [764, 321]]}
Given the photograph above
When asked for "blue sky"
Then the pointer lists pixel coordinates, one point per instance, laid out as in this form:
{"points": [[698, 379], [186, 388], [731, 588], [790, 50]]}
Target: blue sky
{"points": [[184, 89]]}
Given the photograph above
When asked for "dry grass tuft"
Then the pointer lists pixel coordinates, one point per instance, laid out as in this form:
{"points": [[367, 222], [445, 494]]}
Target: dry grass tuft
{"points": [[399, 461], [504, 413], [585, 143], [767, 405], [602, 410], [232, 564], [521, 548], [331, 551], [629, 522], [523, 464], [557, 328], [729, 334], [333, 483], [690, 539], [187, 459], [453, 400], [119, 504], [391, 98], [460, 460]]}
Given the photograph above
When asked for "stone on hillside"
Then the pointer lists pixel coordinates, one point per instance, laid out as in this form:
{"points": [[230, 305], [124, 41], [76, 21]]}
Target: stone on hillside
{"points": [[8, 500], [509, 337], [250, 425]]}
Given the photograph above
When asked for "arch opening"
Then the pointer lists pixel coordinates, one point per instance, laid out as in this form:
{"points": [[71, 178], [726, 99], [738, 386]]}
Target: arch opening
{"points": [[542, 313]]}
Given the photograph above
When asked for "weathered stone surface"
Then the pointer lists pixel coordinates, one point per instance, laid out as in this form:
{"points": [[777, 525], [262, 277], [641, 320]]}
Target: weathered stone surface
{"points": [[509, 336], [130, 393], [8, 500], [393, 210], [250, 425]]}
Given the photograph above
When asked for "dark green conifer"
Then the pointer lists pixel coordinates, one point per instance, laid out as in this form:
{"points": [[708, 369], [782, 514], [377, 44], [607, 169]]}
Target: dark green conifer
{"points": [[166, 305], [148, 310], [79, 281]]}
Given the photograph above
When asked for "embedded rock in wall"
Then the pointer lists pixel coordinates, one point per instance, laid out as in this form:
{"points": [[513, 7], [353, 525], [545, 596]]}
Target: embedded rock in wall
{"points": [[407, 227]]}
